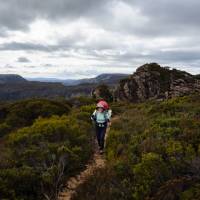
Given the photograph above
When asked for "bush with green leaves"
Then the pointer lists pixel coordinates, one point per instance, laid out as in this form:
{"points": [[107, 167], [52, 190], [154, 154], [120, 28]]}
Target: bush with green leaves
{"points": [[153, 147], [103, 91], [23, 113], [41, 157]]}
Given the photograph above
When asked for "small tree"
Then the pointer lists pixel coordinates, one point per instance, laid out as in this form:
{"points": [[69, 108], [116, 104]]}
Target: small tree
{"points": [[103, 91]]}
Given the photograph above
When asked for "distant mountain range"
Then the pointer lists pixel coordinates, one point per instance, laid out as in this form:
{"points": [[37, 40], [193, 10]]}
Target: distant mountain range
{"points": [[102, 78], [11, 78], [149, 81], [15, 87]]}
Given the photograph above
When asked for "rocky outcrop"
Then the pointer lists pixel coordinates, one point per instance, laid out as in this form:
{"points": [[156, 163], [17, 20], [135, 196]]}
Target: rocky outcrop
{"points": [[151, 81]]}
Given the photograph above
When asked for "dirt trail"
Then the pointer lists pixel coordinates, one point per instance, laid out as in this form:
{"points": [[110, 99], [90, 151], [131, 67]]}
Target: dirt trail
{"points": [[98, 161]]}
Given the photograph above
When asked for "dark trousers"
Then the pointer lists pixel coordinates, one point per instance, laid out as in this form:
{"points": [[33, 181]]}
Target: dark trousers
{"points": [[100, 133]]}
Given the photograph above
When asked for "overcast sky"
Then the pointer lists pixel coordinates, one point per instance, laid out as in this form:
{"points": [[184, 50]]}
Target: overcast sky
{"points": [[83, 38]]}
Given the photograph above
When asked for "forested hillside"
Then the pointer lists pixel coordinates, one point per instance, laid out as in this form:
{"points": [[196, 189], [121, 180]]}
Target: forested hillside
{"points": [[153, 153]]}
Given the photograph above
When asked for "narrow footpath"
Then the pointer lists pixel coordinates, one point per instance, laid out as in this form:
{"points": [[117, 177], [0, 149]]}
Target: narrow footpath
{"points": [[98, 161]]}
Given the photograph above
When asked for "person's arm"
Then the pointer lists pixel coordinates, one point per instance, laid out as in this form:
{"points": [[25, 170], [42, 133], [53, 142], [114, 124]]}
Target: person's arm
{"points": [[93, 117]]}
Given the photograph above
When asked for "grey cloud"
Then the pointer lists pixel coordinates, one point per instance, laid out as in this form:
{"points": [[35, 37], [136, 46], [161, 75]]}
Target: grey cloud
{"points": [[168, 17], [49, 65], [8, 66], [62, 45], [18, 46], [23, 60], [174, 55], [170, 11], [31, 67], [164, 17], [187, 56], [26, 11]]}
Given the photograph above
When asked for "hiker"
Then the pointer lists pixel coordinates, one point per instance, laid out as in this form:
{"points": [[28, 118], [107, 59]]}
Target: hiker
{"points": [[101, 116]]}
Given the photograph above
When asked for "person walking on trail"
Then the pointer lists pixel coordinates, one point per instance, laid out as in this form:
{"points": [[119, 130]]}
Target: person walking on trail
{"points": [[101, 116]]}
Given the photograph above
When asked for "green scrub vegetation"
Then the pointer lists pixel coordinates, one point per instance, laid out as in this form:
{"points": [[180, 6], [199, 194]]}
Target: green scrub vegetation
{"points": [[152, 151], [46, 143]]}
